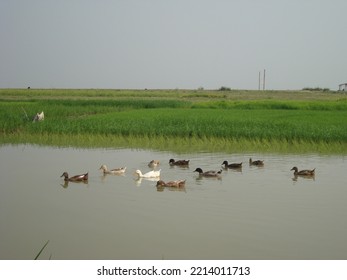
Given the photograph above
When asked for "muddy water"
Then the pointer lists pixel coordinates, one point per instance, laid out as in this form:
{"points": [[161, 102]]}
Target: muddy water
{"points": [[256, 213]]}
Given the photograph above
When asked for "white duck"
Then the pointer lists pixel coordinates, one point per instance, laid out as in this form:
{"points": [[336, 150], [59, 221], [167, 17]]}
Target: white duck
{"points": [[150, 174], [118, 171]]}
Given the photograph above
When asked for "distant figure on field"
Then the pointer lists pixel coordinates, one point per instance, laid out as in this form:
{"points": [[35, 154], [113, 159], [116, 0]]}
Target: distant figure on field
{"points": [[39, 117]]}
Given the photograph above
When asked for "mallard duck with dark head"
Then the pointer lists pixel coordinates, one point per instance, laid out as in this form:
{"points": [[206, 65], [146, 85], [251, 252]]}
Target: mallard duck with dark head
{"points": [[232, 165], [210, 173], [181, 162], [256, 162], [76, 178], [304, 172]]}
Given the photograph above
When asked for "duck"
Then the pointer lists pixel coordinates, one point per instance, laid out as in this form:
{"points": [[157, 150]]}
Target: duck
{"points": [[232, 165], [256, 162], [172, 184], [150, 174], [181, 162], [120, 170], [210, 173], [153, 163], [305, 172], [76, 178]]}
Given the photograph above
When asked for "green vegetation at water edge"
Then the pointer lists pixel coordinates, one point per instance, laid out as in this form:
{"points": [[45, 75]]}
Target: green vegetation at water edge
{"points": [[315, 121]]}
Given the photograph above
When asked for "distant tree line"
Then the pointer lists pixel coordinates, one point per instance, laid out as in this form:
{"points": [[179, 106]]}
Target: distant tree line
{"points": [[224, 89], [316, 89]]}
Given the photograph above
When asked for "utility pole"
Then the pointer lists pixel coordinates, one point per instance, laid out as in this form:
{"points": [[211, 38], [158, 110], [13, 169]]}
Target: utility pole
{"points": [[259, 80], [264, 80]]}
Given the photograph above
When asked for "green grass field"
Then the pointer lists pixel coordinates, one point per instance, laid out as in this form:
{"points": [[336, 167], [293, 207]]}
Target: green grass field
{"points": [[178, 119]]}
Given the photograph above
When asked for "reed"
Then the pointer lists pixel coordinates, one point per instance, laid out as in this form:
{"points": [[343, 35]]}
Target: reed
{"points": [[179, 145], [39, 253]]}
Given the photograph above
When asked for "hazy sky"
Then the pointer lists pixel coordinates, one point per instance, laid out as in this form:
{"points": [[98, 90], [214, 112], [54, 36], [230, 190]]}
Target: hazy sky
{"points": [[173, 43]]}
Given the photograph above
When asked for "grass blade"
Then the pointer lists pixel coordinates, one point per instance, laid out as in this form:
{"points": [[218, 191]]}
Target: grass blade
{"points": [[41, 250]]}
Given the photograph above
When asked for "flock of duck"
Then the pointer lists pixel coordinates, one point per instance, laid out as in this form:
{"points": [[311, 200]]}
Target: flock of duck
{"points": [[155, 174]]}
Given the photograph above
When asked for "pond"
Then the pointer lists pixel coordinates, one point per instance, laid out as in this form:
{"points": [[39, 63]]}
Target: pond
{"points": [[253, 213]]}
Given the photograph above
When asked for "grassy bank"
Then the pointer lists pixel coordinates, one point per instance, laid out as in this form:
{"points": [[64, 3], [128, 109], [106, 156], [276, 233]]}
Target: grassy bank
{"points": [[178, 120]]}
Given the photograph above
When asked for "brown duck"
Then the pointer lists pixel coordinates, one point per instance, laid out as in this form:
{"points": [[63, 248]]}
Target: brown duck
{"points": [[181, 162], [232, 165], [153, 163], [172, 184], [304, 172], [118, 171], [76, 178], [256, 162]]}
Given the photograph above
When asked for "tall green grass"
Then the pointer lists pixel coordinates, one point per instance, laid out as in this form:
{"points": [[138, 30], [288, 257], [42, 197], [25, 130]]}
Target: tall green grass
{"points": [[262, 123], [331, 105]]}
